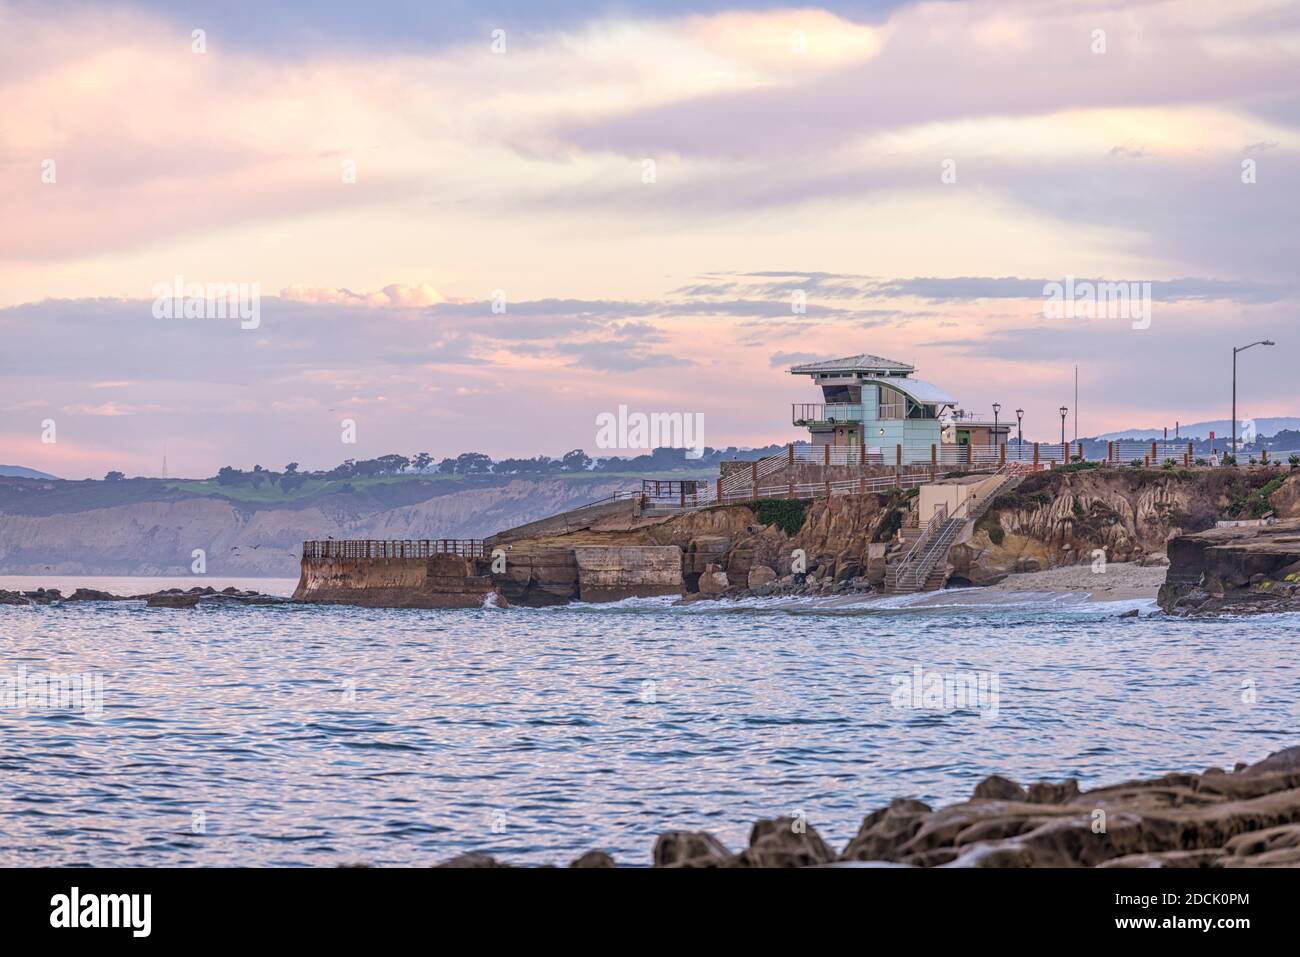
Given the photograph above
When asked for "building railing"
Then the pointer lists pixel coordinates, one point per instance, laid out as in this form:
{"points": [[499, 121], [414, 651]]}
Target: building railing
{"points": [[379, 548], [802, 413]]}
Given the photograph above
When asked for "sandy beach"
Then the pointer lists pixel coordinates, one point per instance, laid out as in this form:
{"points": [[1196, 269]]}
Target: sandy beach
{"points": [[1120, 580]]}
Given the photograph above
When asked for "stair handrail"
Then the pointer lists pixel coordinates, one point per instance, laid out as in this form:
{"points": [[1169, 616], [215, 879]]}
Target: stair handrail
{"points": [[936, 520]]}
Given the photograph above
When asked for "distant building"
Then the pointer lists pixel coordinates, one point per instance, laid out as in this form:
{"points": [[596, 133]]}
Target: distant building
{"points": [[871, 401]]}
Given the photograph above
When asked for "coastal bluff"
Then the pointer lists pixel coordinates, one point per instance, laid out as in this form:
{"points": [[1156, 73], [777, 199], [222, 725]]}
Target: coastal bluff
{"points": [[617, 549]]}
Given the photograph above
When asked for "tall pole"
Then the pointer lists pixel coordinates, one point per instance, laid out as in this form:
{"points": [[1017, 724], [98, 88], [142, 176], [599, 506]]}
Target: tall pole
{"points": [[1235, 350], [1076, 403], [997, 407], [1020, 432], [1064, 412]]}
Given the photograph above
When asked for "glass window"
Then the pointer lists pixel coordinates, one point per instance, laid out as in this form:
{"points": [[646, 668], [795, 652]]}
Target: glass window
{"points": [[893, 404]]}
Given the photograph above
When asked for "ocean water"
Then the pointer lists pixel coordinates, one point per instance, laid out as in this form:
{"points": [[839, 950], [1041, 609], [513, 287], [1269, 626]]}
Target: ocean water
{"points": [[298, 735]]}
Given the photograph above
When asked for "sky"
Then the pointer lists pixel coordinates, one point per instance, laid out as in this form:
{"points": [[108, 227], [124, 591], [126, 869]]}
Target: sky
{"points": [[479, 226]]}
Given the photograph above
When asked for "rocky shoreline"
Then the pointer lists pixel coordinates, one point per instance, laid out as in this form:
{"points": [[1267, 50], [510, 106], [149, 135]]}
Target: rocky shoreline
{"points": [[166, 598], [1234, 570], [1248, 817]]}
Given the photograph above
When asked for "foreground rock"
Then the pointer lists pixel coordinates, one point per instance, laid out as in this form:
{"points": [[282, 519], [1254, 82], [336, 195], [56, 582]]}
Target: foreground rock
{"points": [[1236, 570], [1247, 818]]}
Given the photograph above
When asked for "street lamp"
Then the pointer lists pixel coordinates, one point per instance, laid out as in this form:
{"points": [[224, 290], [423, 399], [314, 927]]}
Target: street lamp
{"points": [[1064, 412], [997, 407], [1235, 350], [1020, 432]]}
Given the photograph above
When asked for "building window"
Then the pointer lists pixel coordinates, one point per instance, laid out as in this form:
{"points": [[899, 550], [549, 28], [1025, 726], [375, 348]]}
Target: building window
{"points": [[893, 404]]}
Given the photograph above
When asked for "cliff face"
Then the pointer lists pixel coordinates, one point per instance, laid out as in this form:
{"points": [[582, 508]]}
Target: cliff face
{"points": [[1055, 519], [67, 529]]}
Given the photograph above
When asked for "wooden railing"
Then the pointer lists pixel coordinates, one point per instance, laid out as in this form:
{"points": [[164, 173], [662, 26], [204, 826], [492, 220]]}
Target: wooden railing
{"points": [[379, 548]]}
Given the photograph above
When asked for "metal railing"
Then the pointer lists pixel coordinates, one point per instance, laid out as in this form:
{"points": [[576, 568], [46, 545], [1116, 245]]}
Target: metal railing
{"points": [[801, 413], [379, 548]]}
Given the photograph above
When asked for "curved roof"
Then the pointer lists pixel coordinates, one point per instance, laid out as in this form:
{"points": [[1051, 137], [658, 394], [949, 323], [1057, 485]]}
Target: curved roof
{"points": [[918, 389], [865, 362]]}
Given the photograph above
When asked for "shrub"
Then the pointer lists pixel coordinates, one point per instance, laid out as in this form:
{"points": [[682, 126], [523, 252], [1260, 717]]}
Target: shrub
{"points": [[1201, 462], [890, 524], [1077, 508], [1294, 460], [1169, 464], [786, 514], [992, 524]]}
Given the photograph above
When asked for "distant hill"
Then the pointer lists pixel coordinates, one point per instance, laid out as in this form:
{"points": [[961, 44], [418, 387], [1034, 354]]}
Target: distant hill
{"points": [[18, 471], [1202, 430]]}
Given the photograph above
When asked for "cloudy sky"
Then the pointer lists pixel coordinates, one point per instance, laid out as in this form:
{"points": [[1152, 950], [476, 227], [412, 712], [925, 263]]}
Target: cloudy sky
{"points": [[643, 190]]}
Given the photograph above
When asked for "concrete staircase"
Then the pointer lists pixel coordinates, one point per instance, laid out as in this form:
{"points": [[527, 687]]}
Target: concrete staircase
{"points": [[924, 567]]}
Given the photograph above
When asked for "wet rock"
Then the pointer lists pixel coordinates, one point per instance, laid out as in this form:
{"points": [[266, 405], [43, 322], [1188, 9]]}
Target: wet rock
{"points": [[1198, 858], [690, 849], [883, 832], [713, 581], [162, 600], [1288, 759], [784, 842], [1044, 792], [761, 575], [1131, 613], [12, 598], [92, 594], [997, 788], [473, 859], [593, 859]]}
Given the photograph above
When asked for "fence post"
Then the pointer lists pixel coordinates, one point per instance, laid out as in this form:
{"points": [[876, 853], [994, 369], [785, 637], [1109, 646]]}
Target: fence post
{"points": [[969, 454], [1263, 456], [826, 458], [1002, 455], [682, 486], [1035, 456], [1110, 451], [753, 479], [862, 449], [718, 494], [934, 461], [862, 484], [1155, 456]]}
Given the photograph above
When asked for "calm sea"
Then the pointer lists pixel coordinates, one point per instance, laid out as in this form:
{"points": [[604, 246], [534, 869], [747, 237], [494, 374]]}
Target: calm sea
{"points": [[302, 735]]}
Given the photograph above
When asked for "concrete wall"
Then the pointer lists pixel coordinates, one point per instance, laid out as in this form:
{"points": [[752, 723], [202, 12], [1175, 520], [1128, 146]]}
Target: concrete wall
{"points": [[444, 581], [615, 572]]}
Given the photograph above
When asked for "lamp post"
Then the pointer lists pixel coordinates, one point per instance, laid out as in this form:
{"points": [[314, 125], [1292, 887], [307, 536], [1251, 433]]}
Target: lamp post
{"points": [[1064, 412], [997, 407], [1020, 432], [1235, 350]]}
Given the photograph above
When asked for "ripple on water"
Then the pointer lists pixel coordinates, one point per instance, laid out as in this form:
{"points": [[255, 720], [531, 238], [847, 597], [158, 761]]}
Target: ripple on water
{"points": [[334, 735]]}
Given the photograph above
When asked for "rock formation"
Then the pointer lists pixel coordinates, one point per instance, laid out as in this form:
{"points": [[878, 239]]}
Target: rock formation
{"points": [[1247, 818], [1234, 570]]}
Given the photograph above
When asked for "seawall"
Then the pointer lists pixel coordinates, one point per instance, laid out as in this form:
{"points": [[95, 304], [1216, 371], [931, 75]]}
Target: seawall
{"points": [[440, 581]]}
